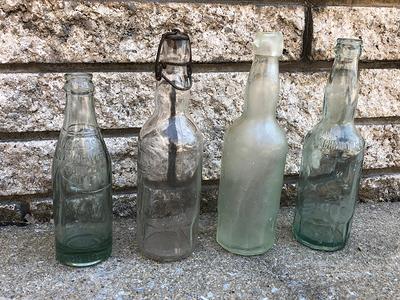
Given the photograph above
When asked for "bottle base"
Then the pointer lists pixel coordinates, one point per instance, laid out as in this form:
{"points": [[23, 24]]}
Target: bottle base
{"points": [[164, 259], [75, 255], [315, 245], [82, 260], [168, 246], [245, 252]]}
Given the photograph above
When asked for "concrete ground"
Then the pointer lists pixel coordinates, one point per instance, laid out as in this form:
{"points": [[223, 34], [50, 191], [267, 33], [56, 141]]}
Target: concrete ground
{"points": [[368, 268]]}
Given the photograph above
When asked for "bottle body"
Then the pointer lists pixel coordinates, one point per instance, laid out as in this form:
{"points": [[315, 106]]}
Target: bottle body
{"points": [[251, 182], [81, 186], [328, 186], [332, 160], [169, 201], [169, 160], [253, 160]]}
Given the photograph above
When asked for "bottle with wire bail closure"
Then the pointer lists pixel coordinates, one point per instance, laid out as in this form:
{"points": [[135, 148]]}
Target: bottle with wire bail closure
{"points": [[169, 159]]}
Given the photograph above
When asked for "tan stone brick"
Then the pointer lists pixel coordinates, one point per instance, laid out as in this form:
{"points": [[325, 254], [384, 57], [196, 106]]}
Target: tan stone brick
{"points": [[26, 166], [379, 93], [35, 102], [382, 145], [383, 188], [129, 31], [378, 27]]}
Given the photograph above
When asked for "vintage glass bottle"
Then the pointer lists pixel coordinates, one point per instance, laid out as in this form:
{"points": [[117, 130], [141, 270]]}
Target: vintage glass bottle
{"points": [[254, 156], [81, 181], [169, 160], [332, 159]]}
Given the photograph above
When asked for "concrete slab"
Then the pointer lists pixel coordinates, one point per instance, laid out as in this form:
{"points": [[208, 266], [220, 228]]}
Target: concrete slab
{"points": [[368, 268]]}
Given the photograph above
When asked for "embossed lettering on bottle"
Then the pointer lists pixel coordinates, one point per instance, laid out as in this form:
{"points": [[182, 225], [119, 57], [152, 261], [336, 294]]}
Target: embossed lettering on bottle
{"points": [[332, 160], [169, 160], [81, 181]]}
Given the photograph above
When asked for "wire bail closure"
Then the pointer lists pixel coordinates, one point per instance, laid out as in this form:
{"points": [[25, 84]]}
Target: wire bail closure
{"points": [[175, 34]]}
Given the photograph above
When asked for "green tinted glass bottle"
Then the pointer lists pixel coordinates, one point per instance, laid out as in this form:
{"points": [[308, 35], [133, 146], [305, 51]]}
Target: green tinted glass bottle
{"points": [[253, 160], [81, 181], [332, 160]]}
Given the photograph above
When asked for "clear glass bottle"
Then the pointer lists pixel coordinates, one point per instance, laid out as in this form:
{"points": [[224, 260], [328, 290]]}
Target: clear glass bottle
{"points": [[81, 181], [169, 160], [332, 159], [253, 161]]}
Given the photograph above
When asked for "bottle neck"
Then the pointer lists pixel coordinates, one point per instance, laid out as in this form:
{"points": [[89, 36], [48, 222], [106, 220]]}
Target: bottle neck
{"points": [[262, 90], [170, 101], [79, 112], [341, 92]]}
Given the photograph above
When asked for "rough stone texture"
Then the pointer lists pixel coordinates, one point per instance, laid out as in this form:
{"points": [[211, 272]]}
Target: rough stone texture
{"points": [[217, 98], [384, 188], [217, 105], [129, 31], [379, 188], [124, 205], [32, 210], [32, 102], [379, 93], [35, 102], [368, 267], [36, 211], [26, 166], [41, 211], [289, 194], [379, 28], [382, 145], [373, 3], [13, 212]]}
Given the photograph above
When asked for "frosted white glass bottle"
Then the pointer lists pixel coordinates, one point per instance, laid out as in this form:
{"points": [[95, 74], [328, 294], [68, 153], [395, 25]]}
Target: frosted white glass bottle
{"points": [[254, 156]]}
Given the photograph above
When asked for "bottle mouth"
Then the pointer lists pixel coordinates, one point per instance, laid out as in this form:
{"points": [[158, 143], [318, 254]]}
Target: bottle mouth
{"points": [[268, 44], [348, 47], [79, 83], [174, 60]]}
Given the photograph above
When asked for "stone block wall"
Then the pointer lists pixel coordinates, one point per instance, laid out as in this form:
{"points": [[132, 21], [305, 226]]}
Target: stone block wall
{"points": [[117, 41]]}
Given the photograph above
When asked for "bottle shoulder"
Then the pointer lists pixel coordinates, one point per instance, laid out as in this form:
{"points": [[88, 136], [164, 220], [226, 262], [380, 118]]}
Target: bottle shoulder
{"points": [[170, 144], [180, 129], [81, 147], [343, 137], [256, 132], [82, 161]]}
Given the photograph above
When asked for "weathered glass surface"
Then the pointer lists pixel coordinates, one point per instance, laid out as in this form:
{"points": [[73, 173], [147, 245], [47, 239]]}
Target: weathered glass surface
{"points": [[332, 160], [253, 160], [81, 181], [169, 162]]}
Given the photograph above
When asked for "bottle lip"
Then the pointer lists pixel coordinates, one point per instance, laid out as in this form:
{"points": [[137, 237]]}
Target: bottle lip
{"points": [[69, 76], [348, 48], [356, 43], [177, 55], [79, 83], [268, 44]]}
